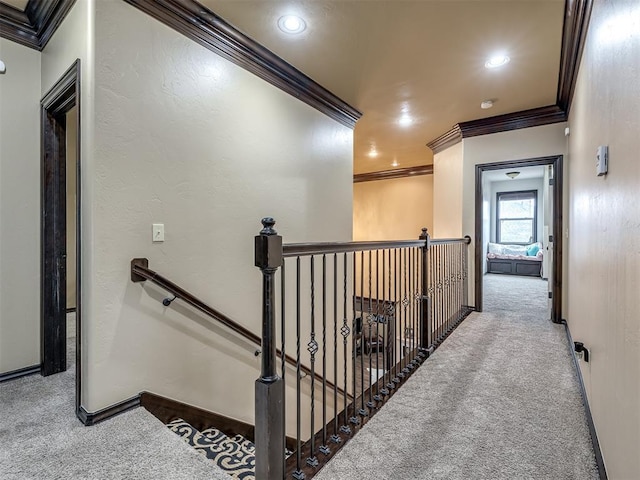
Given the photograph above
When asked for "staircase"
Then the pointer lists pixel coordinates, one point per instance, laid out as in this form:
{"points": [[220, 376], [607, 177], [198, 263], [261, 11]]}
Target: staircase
{"points": [[235, 455]]}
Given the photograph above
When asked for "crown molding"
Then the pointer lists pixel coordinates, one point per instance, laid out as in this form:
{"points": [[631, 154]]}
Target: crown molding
{"points": [[204, 27], [534, 117], [396, 173], [574, 33], [36, 25], [446, 140]]}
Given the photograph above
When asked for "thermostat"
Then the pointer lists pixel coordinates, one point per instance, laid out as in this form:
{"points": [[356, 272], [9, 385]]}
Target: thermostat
{"points": [[602, 160]]}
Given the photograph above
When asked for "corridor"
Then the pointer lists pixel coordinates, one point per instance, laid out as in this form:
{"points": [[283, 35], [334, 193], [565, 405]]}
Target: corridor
{"points": [[499, 399]]}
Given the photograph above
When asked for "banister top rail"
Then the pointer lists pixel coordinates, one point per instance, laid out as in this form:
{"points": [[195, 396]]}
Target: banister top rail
{"points": [[442, 241], [302, 249], [140, 272]]}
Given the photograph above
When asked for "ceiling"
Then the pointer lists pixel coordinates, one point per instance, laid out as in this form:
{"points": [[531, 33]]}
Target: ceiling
{"points": [[421, 58], [425, 57]]}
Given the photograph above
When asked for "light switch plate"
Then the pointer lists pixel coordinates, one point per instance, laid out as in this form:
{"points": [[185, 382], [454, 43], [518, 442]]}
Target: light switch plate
{"points": [[602, 160], [158, 232]]}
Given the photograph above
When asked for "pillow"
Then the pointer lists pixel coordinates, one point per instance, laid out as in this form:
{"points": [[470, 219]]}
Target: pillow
{"points": [[533, 249]]}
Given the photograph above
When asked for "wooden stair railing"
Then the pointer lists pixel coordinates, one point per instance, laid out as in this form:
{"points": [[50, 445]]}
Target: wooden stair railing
{"points": [[140, 272]]}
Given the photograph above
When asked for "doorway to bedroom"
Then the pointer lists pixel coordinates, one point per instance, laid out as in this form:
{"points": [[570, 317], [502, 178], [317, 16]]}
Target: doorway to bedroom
{"points": [[518, 236]]}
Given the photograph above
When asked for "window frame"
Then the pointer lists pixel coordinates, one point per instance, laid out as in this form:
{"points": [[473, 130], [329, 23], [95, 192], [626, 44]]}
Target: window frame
{"points": [[518, 195]]}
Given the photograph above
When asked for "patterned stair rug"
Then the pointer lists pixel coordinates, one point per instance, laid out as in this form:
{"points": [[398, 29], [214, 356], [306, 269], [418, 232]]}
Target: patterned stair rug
{"points": [[234, 455]]}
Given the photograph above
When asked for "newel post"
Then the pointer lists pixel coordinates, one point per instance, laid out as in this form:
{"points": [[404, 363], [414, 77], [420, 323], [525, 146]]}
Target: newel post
{"points": [[425, 330], [269, 388]]}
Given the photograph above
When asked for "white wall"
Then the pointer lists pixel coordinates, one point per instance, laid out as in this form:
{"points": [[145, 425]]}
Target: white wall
{"points": [[486, 217], [514, 186], [604, 228], [19, 207], [74, 40], [395, 209], [185, 138], [447, 192]]}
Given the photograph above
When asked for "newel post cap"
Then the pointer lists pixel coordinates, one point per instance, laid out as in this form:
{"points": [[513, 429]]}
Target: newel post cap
{"points": [[268, 246]]}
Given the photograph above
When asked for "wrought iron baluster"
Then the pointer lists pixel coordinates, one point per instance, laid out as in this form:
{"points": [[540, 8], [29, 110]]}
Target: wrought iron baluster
{"points": [[370, 403], [283, 353], [363, 412], [385, 329], [345, 330], [354, 419], [324, 448], [312, 348], [298, 474], [335, 438], [405, 304], [391, 330], [377, 396], [397, 341], [416, 306]]}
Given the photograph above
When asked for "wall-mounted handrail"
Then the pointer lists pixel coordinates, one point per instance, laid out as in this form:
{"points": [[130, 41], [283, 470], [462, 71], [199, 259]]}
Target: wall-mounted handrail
{"points": [[140, 272]]}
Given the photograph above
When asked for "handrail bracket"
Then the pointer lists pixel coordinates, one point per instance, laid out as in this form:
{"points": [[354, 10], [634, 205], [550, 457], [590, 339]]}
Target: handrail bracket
{"points": [[142, 262]]}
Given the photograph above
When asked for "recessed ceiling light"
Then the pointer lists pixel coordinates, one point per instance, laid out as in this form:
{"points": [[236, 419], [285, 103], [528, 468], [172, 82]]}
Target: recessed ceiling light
{"points": [[497, 61], [3, 68], [395, 163], [373, 153], [405, 120], [291, 24], [486, 104]]}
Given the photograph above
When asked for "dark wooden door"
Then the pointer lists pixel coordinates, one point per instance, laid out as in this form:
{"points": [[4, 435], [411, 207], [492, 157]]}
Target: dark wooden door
{"points": [[54, 244]]}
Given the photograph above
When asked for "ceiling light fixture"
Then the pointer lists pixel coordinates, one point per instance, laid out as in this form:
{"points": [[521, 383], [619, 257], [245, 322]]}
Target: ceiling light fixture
{"points": [[395, 163], [292, 24], [405, 120], [3, 67], [512, 175], [486, 104], [497, 61]]}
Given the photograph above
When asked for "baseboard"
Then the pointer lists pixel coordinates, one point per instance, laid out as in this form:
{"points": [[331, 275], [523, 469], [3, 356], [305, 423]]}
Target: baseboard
{"points": [[592, 428], [167, 409], [21, 372], [91, 418]]}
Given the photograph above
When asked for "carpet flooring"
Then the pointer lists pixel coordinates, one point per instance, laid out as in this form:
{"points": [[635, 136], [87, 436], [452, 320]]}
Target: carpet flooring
{"points": [[41, 439], [498, 400]]}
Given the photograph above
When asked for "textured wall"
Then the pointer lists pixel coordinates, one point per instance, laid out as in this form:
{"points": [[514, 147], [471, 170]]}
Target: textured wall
{"points": [[185, 138], [392, 209], [19, 207], [447, 193], [74, 40], [605, 230]]}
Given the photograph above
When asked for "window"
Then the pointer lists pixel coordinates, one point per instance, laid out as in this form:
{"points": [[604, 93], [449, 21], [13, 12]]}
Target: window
{"points": [[516, 215]]}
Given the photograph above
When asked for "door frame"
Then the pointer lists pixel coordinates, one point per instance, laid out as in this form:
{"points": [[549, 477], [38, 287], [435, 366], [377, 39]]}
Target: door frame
{"points": [[61, 98], [556, 287]]}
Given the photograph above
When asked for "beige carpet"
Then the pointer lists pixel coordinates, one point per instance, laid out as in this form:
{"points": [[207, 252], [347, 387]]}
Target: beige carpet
{"points": [[41, 439], [498, 400]]}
